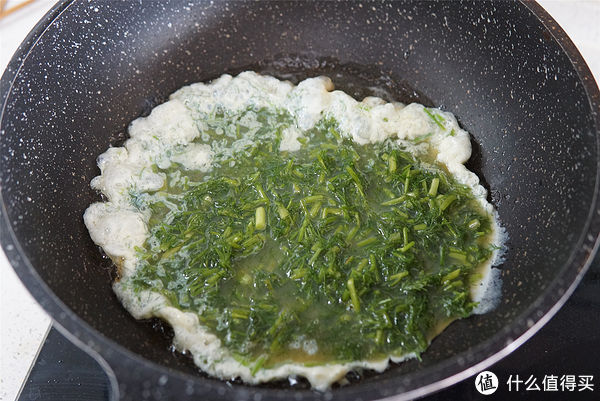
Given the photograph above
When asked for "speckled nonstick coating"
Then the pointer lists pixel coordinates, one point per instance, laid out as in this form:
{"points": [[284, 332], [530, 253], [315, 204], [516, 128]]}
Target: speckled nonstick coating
{"points": [[505, 69]]}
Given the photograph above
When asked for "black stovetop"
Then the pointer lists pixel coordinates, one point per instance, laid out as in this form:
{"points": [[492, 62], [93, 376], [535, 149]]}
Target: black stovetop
{"points": [[568, 345]]}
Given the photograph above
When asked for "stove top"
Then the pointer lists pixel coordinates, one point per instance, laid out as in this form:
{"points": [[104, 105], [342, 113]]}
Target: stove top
{"points": [[560, 362]]}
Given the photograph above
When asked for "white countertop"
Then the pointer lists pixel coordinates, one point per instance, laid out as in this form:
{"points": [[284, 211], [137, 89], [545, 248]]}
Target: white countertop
{"points": [[23, 324]]}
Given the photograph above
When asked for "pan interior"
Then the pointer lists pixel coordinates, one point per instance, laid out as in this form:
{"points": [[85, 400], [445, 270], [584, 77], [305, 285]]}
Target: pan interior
{"points": [[494, 65]]}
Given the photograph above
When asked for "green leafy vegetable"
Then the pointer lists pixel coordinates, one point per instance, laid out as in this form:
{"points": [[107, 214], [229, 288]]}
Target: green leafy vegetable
{"points": [[361, 249]]}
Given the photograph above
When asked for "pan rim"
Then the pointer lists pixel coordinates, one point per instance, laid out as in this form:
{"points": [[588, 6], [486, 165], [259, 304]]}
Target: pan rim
{"points": [[541, 311]]}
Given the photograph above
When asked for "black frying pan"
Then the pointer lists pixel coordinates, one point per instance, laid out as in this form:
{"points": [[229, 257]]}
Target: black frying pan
{"points": [[505, 69]]}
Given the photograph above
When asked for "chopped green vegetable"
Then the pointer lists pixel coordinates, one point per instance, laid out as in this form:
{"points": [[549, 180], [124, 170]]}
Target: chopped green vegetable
{"points": [[435, 183], [261, 218], [362, 249], [353, 296], [435, 117]]}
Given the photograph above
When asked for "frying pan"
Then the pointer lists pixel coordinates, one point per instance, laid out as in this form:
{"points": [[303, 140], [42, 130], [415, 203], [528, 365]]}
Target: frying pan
{"points": [[505, 69]]}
